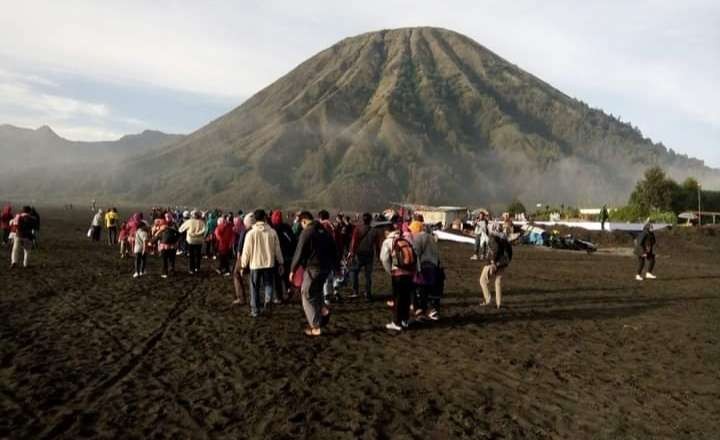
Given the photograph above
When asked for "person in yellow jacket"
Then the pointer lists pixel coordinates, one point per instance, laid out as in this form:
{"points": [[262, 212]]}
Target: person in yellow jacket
{"points": [[111, 224], [261, 254]]}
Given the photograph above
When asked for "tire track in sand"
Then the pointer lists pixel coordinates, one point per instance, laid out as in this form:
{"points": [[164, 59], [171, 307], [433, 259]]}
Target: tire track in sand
{"points": [[89, 395]]}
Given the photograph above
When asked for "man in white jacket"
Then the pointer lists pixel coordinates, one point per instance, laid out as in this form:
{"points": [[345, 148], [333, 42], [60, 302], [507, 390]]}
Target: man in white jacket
{"points": [[261, 254]]}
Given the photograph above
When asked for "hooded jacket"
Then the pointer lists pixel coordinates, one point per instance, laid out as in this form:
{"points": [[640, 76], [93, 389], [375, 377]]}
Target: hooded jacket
{"points": [[261, 249], [195, 229], [645, 242], [225, 237]]}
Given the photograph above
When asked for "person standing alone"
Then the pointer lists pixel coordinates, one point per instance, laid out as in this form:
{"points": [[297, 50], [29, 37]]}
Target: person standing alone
{"points": [[645, 251], [499, 258], [22, 225]]}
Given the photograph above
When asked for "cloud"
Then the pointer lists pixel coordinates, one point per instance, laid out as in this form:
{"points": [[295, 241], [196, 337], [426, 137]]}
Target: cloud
{"points": [[635, 59]]}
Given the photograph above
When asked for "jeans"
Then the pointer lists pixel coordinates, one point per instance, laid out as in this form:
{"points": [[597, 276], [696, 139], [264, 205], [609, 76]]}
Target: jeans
{"points": [[312, 296], [140, 260], [641, 263], [329, 288], [261, 279], [96, 233], [168, 257], [224, 262], [402, 288], [366, 266], [195, 251], [112, 235], [481, 245]]}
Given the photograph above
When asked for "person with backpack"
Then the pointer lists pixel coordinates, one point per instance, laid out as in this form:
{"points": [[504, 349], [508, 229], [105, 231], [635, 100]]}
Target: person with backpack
{"points": [[400, 262], [363, 248], [428, 258], [248, 221], [194, 229], [499, 258], [645, 251], [142, 236], [314, 259], [224, 240], [167, 238], [5, 217], [263, 256], [22, 228], [111, 221], [96, 225]]}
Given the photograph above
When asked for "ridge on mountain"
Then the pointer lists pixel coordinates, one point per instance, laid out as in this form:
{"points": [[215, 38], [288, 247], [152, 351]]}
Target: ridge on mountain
{"points": [[421, 115]]}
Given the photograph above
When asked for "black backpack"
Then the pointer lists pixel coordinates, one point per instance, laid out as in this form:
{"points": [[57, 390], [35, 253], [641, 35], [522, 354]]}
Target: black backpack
{"points": [[26, 225]]}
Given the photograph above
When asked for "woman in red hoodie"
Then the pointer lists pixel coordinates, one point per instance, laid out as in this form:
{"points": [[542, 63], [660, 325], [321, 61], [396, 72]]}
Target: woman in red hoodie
{"points": [[224, 240]]}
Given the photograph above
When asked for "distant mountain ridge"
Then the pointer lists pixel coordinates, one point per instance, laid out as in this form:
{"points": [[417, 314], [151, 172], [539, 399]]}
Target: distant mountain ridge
{"points": [[421, 115], [25, 148]]}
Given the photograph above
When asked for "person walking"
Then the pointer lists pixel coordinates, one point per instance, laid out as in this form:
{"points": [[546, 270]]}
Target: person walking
{"points": [[363, 248], [142, 236], [22, 227], [645, 251], [330, 292], [604, 216], [248, 221], [499, 258], [123, 239], [314, 259], [96, 225], [481, 236], [167, 238], [111, 221], [194, 230], [428, 257], [224, 240], [262, 255], [5, 218], [400, 262], [287, 245]]}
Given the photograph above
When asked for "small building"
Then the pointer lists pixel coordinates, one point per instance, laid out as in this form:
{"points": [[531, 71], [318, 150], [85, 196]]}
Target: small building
{"points": [[445, 215]]}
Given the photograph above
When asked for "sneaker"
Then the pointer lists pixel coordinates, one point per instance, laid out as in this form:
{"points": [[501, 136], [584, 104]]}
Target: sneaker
{"points": [[393, 326], [474, 258], [433, 315], [163, 276], [135, 275], [650, 276], [354, 295], [639, 277], [405, 324], [13, 265]]}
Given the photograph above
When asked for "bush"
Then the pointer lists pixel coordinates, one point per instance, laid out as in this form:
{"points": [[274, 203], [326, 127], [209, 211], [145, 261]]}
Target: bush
{"points": [[516, 207], [636, 214]]}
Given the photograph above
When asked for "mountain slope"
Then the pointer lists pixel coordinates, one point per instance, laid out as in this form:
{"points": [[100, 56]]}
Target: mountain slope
{"points": [[420, 115]]}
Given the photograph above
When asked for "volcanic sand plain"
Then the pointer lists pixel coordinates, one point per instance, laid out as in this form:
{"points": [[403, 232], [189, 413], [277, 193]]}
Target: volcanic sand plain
{"points": [[579, 350]]}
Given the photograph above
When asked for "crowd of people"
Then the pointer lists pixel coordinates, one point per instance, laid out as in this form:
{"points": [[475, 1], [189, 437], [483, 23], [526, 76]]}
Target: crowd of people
{"points": [[271, 258]]}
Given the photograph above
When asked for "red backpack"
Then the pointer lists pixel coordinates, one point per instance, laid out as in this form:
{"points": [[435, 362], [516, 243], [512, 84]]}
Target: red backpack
{"points": [[403, 255]]}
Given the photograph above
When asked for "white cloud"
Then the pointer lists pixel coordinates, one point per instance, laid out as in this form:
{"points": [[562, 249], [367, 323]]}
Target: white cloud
{"points": [[659, 54]]}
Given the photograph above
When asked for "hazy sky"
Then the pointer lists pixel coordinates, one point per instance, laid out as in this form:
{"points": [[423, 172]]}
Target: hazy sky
{"points": [[97, 69]]}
